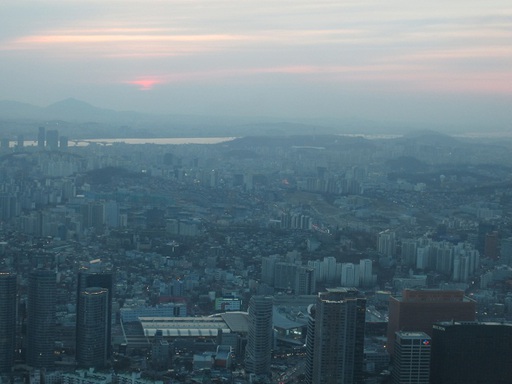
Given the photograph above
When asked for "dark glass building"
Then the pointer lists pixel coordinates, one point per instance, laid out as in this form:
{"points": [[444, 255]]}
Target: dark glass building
{"points": [[94, 276], [92, 328], [471, 353], [42, 286], [7, 321]]}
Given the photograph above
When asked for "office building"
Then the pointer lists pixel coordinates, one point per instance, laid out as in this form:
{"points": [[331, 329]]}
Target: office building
{"points": [[411, 364], [41, 318], [7, 321], [335, 338], [160, 352], [418, 309], [259, 338], [471, 353], [92, 327], [94, 275]]}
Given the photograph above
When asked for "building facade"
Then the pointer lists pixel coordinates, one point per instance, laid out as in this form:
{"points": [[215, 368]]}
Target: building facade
{"points": [[411, 364], [7, 321], [471, 353], [259, 338], [92, 328], [416, 310], [42, 289], [94, 276], [335, 339]]}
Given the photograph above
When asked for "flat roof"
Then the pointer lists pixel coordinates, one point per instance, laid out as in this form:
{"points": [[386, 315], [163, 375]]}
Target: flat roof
{"points": [[204, 326]]}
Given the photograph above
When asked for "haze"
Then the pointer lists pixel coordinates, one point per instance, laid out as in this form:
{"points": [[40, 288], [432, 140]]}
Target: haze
{"points": [[422, 64]]}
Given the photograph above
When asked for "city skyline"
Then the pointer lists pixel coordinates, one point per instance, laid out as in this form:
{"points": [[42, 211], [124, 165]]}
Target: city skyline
{"points": [[435, 64]]}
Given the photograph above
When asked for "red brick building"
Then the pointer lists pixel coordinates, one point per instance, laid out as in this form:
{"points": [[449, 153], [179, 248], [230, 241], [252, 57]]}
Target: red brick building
{"points": [[418, 309]]}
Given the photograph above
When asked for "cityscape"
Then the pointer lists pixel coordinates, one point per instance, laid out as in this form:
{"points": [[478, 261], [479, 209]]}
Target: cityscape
{"points": [[259, 259], [255, 192]]}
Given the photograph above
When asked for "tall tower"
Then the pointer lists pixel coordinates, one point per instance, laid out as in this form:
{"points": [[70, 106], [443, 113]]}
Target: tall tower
{"points": [[41, 319], [95, 276], [335, 339], [411, 364], [92, 327], [7, 321], [259, 338]]}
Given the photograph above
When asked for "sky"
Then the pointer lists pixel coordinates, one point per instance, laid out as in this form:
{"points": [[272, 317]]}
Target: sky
{"points": [[438, 62]]}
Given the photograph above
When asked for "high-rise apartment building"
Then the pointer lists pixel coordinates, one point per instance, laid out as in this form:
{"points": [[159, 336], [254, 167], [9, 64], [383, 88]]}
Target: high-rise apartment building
{"points": [[365, 273], [491, 245], [349, 275], [52, 139], [417, 310], [63, 142], [386, 243], [411, 364], [42, 288], [41, 137], [305, 283], [92, 328], [259, 337], [335, 338], [506, 251], [7, 321], [471, 353], [95, 276]]}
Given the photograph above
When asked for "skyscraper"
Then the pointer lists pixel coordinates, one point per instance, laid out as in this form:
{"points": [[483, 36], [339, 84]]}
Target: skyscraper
{"points": [[92, 328], [417, 310], [259, 337], [95, 276], [471, 353], [335, 339], [411, 364], [7, 321], [41, 319]]}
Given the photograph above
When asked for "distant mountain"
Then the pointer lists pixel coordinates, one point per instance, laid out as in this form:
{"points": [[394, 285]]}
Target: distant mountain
{"points": [[10, 109], [429, 137], [82, 120], [74, 109], [70, 110]]}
